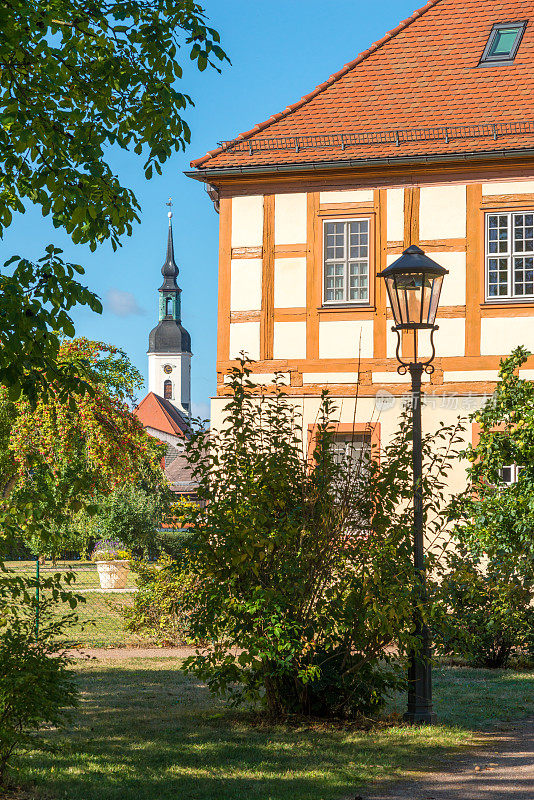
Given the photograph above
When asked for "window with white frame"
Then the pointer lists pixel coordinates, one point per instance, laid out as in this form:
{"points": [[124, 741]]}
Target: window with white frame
{"points": [[510, 473], [346, 261], [510, 256], [351, 447]]}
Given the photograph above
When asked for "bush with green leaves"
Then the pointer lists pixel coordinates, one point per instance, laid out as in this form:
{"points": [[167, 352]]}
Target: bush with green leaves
{"points": [[158, 610], [484, 610], [304, 583], [36, 686], [494, 517]]}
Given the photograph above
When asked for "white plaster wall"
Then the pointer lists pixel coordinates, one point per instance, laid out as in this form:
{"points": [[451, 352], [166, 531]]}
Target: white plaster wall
{"points": [[330, 377], [245, 336], [508, 187], [245, 286], [289, 340], [395, 215], [449, 339], [453, 288], [527, 374], [247, 221], [390, 377], [290, 218], [289, 282], [470, 375], [262, 378], [442, 212], [500, 335], [347, 196], [346, 339]]}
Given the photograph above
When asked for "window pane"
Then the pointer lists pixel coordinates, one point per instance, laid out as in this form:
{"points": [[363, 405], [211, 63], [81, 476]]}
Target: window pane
{"points": [[497, 277], [350, 447], [498, 233], [523, 233], [346, 261], [503, 42], [523, 276]]}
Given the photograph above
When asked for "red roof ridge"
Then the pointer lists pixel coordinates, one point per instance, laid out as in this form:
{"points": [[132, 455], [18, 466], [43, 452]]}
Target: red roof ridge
{"points": [[321, 87], [174, 426]]}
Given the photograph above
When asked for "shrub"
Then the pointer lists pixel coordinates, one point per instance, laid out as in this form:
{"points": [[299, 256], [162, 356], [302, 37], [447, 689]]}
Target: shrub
{"points": [[35, 685], [303, 566], [158, 611], [484, 612]]}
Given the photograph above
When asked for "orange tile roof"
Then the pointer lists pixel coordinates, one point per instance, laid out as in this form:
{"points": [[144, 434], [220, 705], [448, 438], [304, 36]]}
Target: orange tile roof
{"points": [[156, 412], [421, 76]]}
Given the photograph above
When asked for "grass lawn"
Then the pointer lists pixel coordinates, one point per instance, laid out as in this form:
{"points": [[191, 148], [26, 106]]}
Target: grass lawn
{"points": [[100, 619], [145, 731]]}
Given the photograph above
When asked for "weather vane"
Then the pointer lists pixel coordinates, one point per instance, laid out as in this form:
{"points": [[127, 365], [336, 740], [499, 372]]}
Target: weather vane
{"points": [[170, 207]]}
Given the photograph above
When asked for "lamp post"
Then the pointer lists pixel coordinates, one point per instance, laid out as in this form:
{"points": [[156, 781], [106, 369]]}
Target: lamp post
{"points": [[413, 284]]}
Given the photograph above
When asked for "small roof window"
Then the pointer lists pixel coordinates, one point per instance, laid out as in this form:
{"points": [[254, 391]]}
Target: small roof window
{"points": [[503, 43]]}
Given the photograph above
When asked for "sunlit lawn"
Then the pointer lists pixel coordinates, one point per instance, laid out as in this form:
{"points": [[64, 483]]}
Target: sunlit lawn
{"points": [[145, 731], [101, 621]]}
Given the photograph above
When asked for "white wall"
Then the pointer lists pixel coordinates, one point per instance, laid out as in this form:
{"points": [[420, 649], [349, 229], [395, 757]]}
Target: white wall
{"points": [[247, 221], [500, 335], [347, 196], [442, 212], [508, 187], [245, 336], [290, 282], [342, 339], [395, 215], [453, 288], [290, 218], [289, 340], [245, 287]]}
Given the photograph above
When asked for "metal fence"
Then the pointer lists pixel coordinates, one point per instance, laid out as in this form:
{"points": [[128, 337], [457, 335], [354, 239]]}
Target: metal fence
{"points": [[102, 613]]}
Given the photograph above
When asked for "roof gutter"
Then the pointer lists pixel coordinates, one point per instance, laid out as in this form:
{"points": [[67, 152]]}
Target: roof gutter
{"points": [[322, 166]]}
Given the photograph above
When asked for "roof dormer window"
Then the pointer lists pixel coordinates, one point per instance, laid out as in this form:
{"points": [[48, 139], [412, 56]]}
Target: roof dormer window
{"points": [[503, 43]]}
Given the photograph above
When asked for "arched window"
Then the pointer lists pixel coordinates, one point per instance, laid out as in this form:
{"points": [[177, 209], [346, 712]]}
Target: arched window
{"points": [[168, 306], [167, 390]]}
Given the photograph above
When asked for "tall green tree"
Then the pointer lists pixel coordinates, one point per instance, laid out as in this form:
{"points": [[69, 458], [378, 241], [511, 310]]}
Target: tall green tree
{"points": [[77, 79], [495, 517], [59, 456]]}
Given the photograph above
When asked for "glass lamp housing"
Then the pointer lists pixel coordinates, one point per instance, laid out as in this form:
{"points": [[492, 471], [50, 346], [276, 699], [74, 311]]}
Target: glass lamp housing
{"points": [[413, 284]]}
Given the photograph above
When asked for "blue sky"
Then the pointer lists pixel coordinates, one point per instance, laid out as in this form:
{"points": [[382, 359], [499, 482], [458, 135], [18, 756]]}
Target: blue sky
{"points": [[279, 51]]}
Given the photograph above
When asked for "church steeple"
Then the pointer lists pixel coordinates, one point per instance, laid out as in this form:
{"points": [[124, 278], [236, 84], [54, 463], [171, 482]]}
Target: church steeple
{"points": [[170, 304], [169, 344]]}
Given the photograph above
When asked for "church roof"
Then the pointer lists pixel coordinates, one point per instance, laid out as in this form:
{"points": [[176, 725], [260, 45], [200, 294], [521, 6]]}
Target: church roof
{"points": [[158, 413], [169, 269], [418, 92], [169, 336]]}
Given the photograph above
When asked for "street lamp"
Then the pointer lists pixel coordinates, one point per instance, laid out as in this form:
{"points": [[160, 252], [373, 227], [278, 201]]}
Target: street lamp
{"points": [[413, 284]]}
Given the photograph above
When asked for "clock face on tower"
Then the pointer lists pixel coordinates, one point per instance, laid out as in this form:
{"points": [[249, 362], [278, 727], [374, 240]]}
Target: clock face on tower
{"points": [[167, 369]]}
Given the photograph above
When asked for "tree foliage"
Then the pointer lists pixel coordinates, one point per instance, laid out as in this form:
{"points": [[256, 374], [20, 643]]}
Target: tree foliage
{"points": [[79, 79], [493, 517], [484, 610], [36, 687], [61, 455], [302, 563]]}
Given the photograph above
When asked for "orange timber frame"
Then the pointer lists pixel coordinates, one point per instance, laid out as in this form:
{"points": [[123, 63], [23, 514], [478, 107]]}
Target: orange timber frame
{"points": [[475, 307]]}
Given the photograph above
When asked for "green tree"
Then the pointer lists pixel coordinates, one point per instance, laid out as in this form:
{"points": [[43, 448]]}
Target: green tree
{"points": [[59, 455], [303, 564], [79, 78], [494, 517]]}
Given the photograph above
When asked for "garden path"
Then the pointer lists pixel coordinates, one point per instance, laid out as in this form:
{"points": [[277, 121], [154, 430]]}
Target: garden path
{"points": [[503, 769]]}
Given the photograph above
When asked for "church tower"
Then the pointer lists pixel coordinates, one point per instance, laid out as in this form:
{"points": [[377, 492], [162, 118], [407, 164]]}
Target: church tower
{"points": [[169, 344]]}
